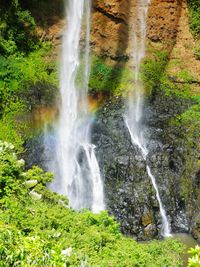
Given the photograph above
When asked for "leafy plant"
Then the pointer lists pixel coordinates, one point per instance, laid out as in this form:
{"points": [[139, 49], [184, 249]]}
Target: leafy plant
{"points": [[194, 260], [25, 82], [46, 232], [194, 8], [27, 77], [17, 29]]}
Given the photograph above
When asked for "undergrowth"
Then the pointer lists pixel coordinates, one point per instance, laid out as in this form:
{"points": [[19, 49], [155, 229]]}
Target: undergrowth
{"points": [[37, 228], [26, 75]]}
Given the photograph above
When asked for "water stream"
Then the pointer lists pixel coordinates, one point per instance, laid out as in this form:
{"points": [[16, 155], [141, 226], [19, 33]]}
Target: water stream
{"points": [[74, 164], [134, 112]]}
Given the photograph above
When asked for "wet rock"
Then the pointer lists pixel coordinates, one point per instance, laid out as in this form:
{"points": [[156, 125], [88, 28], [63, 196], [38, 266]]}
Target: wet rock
{"points": [[147, 219], [130, 195], [150, 231], [127, 187], [196, 228]]}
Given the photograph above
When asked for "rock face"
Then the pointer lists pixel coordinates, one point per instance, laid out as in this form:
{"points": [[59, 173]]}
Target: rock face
{"points": [[110, 28], [163, 21], [129, 193], [183, 52], [112, 25]]}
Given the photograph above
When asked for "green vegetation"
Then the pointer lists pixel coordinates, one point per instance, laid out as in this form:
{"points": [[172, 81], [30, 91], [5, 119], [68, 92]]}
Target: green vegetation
{"points": [[189, 125], [191, 121], [17, 28], [113, 80], [155, 77], [26, 75], [194, 261], [197, 51], [38, 229], [152, 71], [178, 89], [25, 82], [194, 8]]}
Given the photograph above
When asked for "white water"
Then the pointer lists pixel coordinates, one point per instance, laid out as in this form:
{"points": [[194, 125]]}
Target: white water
{"points": [[76, 169], [135, 108]]}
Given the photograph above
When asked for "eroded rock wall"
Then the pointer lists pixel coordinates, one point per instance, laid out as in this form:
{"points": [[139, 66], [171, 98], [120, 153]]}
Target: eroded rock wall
{"points": [[110, 28], [163, 18], [112, 25], [129, 193]]}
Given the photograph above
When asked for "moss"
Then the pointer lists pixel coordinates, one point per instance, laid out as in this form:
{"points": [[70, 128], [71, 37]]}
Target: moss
{"points": [[115, 80], [190, 120], [197, 50], [189, 126], [152, 71], [170, 87], [156, 75], [194, 9], [186, 182]]}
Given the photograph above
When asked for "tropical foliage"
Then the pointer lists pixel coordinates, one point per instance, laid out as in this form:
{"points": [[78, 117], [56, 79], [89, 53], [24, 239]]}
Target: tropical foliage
{"points": [[194, 8], [26, 77], [37, 228], [194, 260]]}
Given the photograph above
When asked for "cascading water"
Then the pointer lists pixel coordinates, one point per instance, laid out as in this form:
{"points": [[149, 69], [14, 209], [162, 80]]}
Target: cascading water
{"points": [[134, 114], [75, 166]]}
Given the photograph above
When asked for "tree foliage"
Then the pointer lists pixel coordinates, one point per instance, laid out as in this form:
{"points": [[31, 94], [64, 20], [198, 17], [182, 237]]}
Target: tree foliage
{"points": [[27, 78], [17, 28]]}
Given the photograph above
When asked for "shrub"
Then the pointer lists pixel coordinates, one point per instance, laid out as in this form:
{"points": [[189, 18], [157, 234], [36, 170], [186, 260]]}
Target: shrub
{"points": [[194, 8], [46, 232], [197, 51], [17, 29], [153, 71], [190, 120], [111, 79], [27, 77], [194, 260], [25, 82]]}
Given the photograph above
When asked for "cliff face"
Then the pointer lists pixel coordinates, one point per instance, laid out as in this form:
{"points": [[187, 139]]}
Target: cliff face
{"points": [[163, 21], [110, 28], [112, 25], [129, 194]]}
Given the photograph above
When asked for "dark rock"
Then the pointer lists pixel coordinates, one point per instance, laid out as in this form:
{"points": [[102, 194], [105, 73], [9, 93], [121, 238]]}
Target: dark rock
{"points": [[129, 193], [196, 228]]}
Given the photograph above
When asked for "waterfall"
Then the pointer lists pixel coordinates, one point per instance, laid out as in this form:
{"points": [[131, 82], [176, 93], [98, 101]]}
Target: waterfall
{"points": [[74, 163], [134, 112]]}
